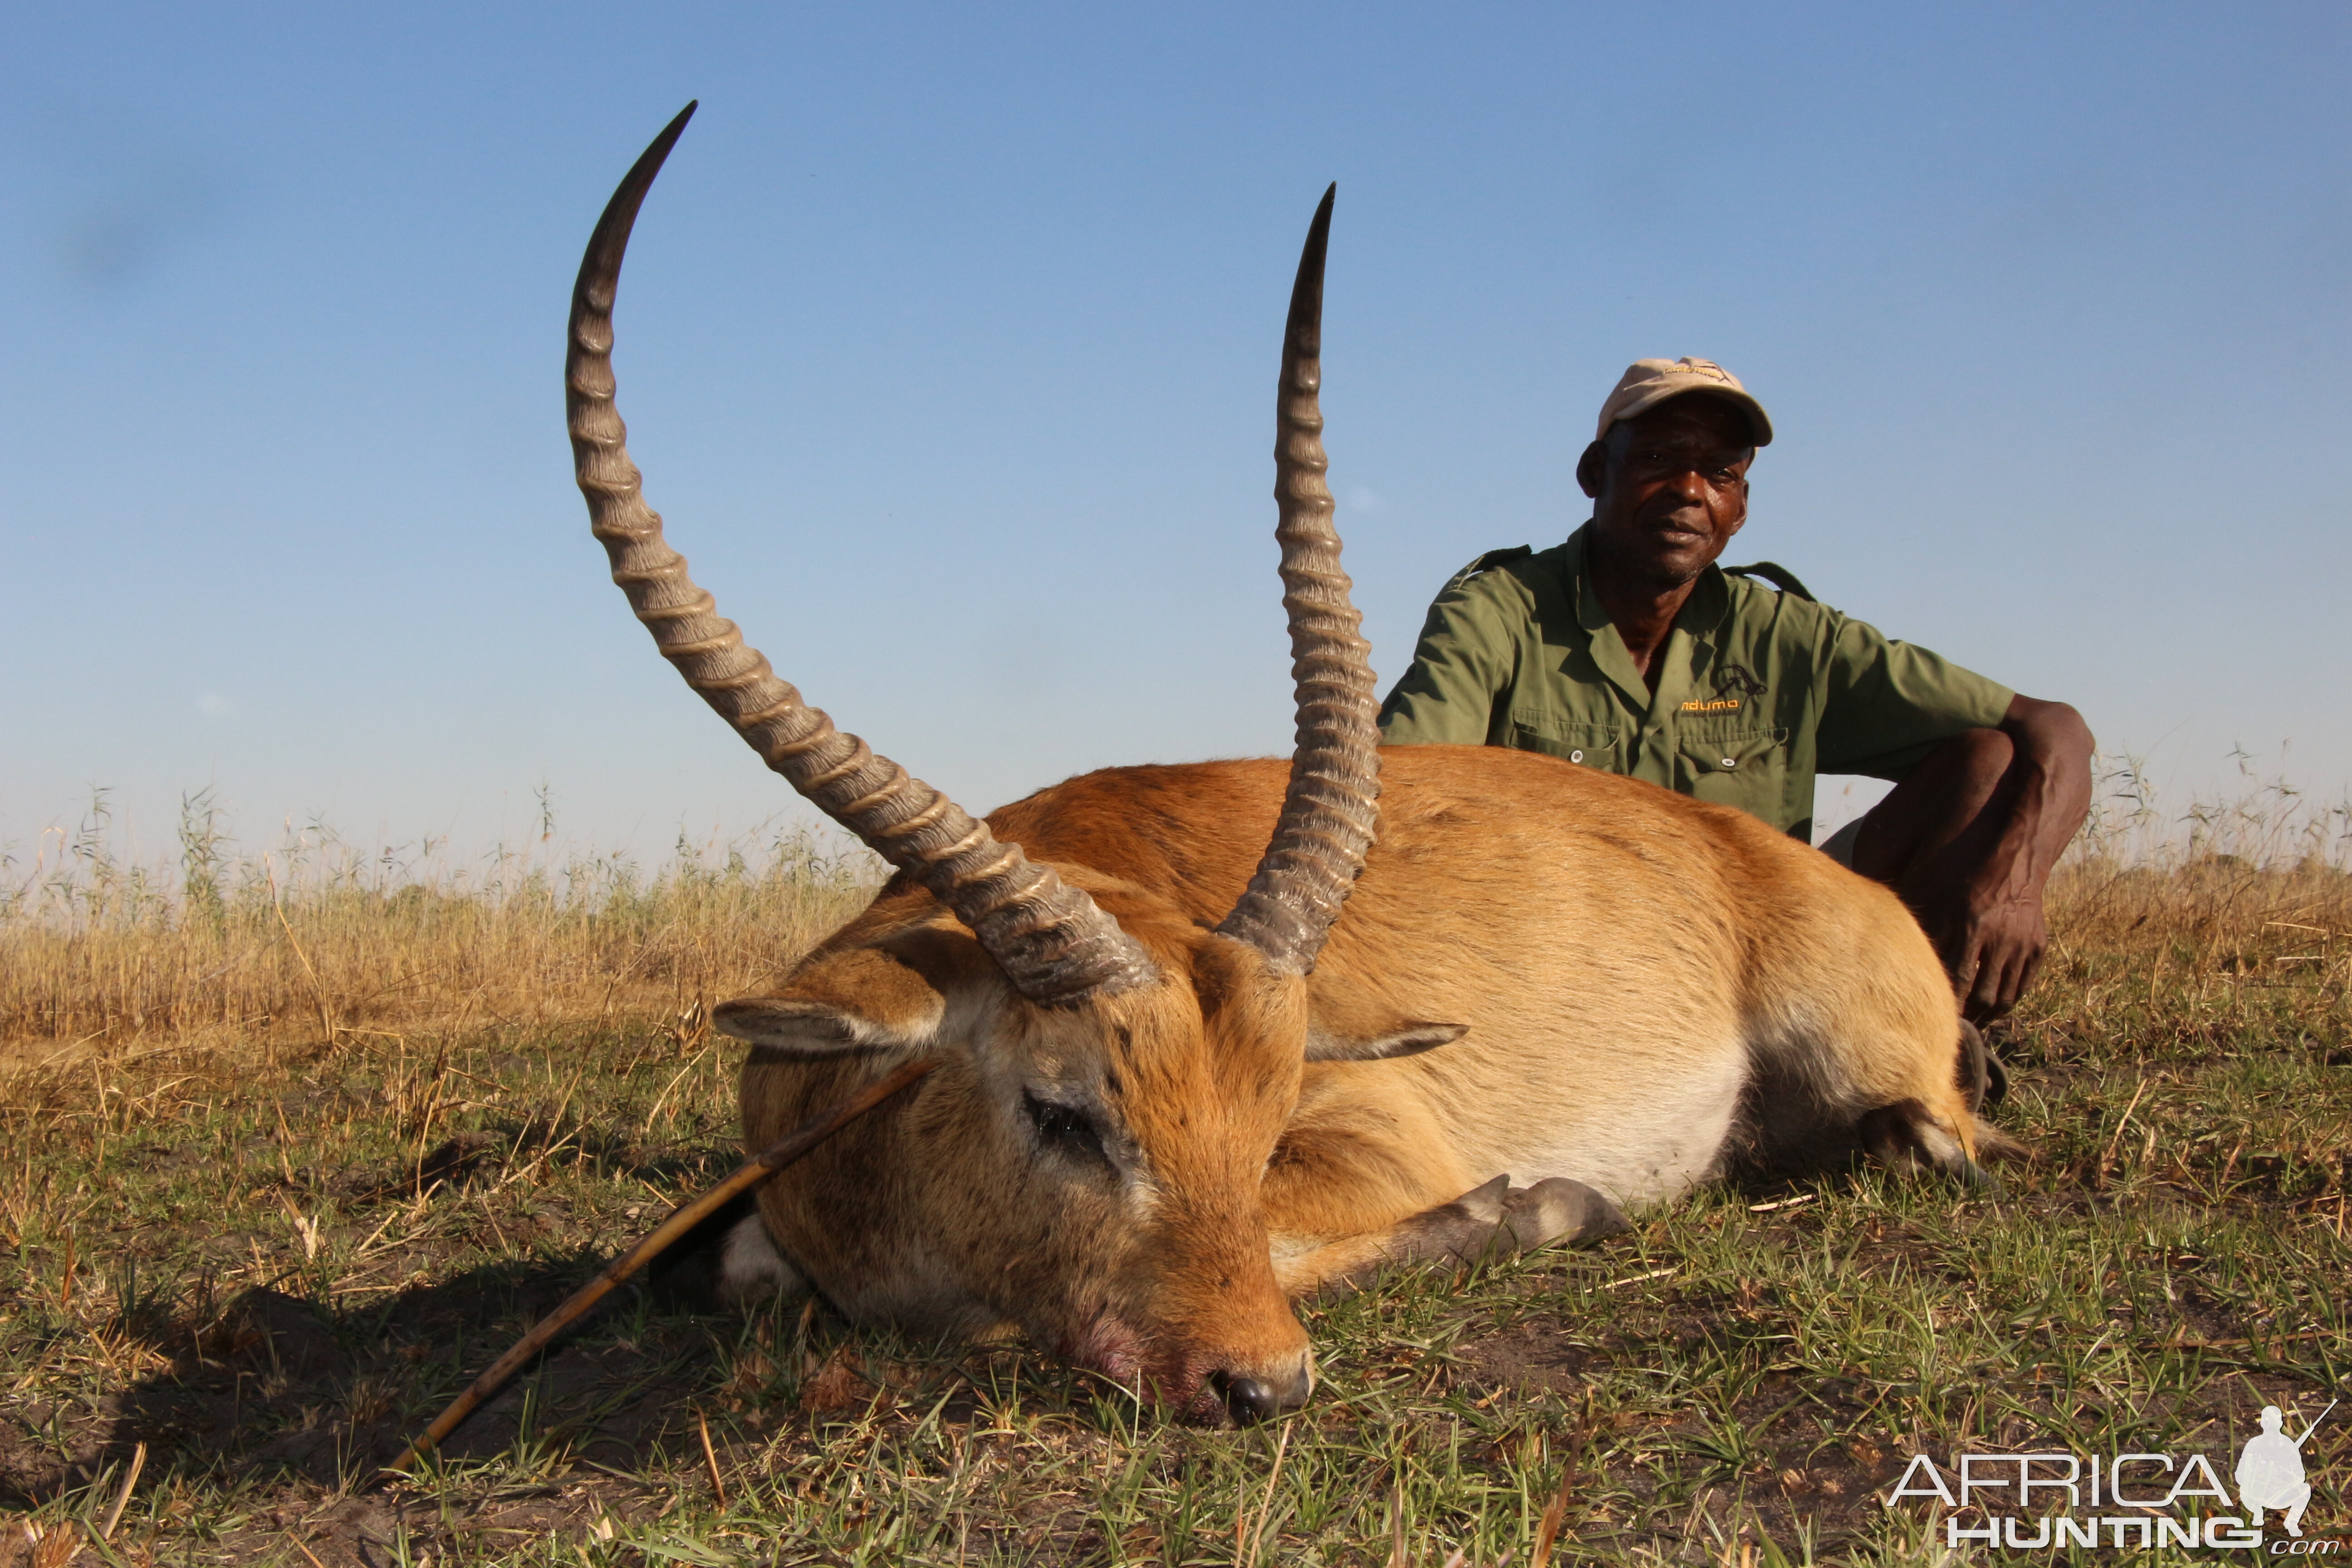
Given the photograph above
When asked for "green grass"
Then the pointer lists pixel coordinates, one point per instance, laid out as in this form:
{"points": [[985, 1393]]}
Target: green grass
{"points": [[273, 1268]]}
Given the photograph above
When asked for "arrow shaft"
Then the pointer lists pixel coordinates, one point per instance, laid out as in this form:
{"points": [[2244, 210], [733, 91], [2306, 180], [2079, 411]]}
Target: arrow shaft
{"points": [[685, 1217]]}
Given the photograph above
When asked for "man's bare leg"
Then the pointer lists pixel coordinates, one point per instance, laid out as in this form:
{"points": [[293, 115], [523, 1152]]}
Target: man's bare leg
{"points": [[1930, 834], [1969, 838], [1945, 817]]}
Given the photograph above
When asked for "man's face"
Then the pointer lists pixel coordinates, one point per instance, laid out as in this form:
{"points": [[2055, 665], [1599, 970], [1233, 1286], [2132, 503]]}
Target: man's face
{"points": [[1669, 488]]}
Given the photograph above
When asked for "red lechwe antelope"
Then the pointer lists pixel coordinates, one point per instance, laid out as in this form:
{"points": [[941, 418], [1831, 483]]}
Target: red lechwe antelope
{"points": [[1176, 1090]]}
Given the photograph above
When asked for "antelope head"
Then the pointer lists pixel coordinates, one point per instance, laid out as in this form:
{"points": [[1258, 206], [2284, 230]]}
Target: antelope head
{"points": [[1115, 1077]]}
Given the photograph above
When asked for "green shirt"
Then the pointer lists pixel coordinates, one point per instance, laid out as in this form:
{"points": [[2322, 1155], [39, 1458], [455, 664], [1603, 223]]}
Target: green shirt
{"points": [[1758, 689]]}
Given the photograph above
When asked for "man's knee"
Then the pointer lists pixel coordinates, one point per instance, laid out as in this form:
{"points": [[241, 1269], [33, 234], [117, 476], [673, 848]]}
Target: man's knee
{"points": [[1937, 800]]}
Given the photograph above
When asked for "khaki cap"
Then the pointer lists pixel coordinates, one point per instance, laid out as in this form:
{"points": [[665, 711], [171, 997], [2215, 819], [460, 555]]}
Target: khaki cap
{"points": [[1650, 381]]}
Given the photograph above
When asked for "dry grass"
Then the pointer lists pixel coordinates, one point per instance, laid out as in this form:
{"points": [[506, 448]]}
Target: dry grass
{"points": [[314, 943], [311, 1174]]}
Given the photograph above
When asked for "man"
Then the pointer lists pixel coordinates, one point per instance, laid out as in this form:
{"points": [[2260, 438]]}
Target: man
{"points": [[1627, 649]]}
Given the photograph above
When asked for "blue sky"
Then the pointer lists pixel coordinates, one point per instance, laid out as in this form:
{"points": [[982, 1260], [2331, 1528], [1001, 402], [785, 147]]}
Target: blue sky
{"points": [[948, 340]]}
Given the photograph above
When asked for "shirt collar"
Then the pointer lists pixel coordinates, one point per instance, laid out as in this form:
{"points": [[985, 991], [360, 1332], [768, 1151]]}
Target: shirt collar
{"points": [[1701, 615]]}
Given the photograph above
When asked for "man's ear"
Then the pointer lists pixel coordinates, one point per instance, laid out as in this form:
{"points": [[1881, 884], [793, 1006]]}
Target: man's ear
{"points": [[1740, 520], [862, 999], [1344, 1024], [1591, 468]]}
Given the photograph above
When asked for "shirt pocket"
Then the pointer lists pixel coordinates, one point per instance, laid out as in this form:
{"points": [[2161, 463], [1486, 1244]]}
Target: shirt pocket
{"points": [[1599, 746], [1745, 768]]}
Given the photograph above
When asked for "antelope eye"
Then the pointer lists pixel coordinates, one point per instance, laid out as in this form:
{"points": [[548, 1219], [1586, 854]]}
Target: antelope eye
{"points": [[1064, 1127]]}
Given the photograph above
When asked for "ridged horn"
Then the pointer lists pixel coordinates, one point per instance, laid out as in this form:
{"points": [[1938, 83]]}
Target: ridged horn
{"points": [[1050, 939], [1331, 811]]}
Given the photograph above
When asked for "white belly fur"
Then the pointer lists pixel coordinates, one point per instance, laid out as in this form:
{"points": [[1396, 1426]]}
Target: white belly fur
{"points": [[1640, 1149]]}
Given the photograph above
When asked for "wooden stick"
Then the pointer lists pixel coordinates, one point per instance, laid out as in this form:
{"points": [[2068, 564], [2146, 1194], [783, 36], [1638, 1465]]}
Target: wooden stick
{"points": [[138, 1463], [710, 1457], [683, 1218]]}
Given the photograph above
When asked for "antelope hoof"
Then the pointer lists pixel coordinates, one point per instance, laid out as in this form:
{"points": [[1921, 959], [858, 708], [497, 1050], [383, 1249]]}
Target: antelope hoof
{"points": [[1557, 1212], [1906, 1136], [1982, 1183], [1486, 1204]]}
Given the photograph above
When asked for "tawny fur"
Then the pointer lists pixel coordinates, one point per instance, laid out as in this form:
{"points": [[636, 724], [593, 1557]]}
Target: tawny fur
{"points": [[1654, 990]]}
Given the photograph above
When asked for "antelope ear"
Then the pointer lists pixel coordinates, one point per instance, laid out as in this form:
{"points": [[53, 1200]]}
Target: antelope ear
{"points": [[1351, 1024], [860, 999], [1409, 1040], [1344, 1024]]}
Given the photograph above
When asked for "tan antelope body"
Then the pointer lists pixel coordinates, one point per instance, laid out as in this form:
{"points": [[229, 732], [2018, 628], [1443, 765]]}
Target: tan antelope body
{"points": [[1177, 1090]]}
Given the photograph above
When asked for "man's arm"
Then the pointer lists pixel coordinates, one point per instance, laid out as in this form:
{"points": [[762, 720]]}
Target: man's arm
{"points": [[1462, 664], [1983, 911]]}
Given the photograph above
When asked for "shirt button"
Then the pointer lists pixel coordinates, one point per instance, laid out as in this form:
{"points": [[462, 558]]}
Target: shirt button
{"points": [[1576, 756]]}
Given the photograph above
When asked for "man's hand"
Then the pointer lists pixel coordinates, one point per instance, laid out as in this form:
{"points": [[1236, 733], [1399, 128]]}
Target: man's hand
{"points": [[1969, 841], [1989, 928], [1990, 939]]}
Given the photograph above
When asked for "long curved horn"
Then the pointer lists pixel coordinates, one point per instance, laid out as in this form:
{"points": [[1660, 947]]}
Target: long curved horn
{"points": [[1050, 939], [1331, 808]]}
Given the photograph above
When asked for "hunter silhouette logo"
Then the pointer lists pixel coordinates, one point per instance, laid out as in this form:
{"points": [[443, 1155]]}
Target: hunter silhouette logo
{"points": [[2270, 1470]]}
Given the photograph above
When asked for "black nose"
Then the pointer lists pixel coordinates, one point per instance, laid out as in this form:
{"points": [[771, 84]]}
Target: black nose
{"points": [[1248, 1399], [1251, 1399]]}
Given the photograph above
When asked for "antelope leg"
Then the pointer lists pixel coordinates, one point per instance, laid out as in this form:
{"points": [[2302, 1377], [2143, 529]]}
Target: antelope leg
{"points": [[1497, 1220]]}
